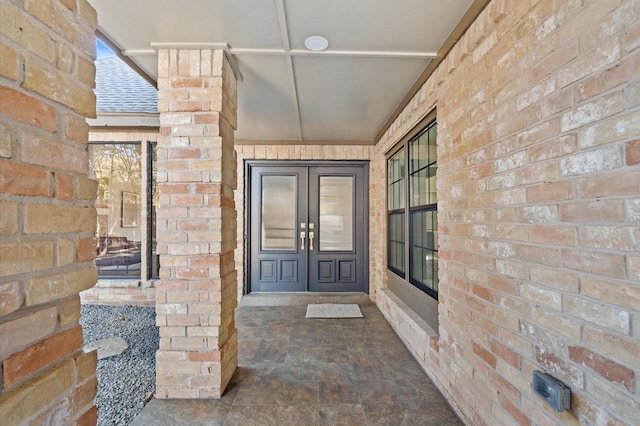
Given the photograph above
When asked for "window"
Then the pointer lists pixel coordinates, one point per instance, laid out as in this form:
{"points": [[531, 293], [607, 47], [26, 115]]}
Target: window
{"points": [[417, 160], [423, 222], [396, 212], [125, 211]]}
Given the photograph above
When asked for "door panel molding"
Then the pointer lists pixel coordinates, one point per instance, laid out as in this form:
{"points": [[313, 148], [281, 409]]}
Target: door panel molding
{"points": [[289, 270]]}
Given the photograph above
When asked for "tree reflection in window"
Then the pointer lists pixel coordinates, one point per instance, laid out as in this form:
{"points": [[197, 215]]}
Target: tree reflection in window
{"points": [[117, 168]]}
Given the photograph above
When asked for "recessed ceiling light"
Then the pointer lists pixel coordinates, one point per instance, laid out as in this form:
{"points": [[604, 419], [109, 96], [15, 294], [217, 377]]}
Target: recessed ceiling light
{"points": [[316, 43]]}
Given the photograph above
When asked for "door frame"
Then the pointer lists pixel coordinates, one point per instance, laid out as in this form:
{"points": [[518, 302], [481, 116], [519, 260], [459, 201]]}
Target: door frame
{"points": [[249, 164]]}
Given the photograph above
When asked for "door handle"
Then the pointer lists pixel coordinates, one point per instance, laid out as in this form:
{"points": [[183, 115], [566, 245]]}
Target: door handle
{"points": [[311, 235], [302, 237]]}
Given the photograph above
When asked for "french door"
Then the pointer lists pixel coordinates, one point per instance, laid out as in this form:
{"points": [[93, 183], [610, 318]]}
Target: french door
{"points": [[308, 227]]}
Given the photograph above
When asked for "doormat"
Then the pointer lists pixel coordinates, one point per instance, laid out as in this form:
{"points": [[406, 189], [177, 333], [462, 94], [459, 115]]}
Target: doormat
{"points": [[334, 310]]}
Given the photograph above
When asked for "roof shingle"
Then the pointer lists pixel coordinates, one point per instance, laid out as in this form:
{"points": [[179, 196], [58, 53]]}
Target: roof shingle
{"points": [[121, 89]]}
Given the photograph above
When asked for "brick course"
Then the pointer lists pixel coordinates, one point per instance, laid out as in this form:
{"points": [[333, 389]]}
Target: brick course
{"points": [[47, 211]]}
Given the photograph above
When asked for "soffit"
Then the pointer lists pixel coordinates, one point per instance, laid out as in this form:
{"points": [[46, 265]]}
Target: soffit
{"points": [[377, 50]]}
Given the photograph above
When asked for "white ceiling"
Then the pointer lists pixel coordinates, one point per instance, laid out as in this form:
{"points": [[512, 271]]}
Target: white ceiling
{"points": [[377, 50]]}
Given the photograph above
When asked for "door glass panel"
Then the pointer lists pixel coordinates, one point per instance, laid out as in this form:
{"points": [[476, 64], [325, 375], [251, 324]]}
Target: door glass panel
{"points": [[336, 213], [278, 213]]}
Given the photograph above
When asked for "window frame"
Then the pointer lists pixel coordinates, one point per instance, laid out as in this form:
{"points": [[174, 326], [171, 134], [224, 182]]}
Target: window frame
{"points": [[146, 214], [410, 211], [153, 261]]}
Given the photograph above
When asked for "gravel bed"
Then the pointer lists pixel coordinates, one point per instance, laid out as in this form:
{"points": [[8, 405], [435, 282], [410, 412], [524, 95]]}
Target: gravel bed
{"points": [[127, 381]]}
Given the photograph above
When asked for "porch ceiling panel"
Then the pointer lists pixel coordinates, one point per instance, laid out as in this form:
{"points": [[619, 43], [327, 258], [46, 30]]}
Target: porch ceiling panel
{"points": [[265, 79], [375, 25], [132, 25], [377, 50], [347, 108]]}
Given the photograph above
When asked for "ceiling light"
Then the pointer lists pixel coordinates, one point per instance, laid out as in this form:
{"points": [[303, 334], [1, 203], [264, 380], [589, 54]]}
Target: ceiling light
{"points": [[316, 43]]}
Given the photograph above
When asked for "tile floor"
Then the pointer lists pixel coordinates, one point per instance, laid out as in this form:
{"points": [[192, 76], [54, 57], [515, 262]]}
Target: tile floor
{"points": [[297, 371]]}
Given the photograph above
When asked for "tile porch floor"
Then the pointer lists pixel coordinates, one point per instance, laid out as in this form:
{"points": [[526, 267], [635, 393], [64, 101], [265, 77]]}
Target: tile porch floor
{"points": [[297, 371]]}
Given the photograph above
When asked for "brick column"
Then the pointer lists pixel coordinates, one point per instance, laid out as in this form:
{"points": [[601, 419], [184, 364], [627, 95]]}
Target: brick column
{"points": [[196, 224], [47, 213]]}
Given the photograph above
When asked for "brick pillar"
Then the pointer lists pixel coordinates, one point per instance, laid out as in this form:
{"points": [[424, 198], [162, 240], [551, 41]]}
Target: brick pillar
{"points": [[196, 224], [47, 214]]}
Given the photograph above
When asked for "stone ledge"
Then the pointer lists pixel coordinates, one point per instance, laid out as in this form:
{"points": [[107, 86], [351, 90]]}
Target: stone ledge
{"points": [[139, 296]]}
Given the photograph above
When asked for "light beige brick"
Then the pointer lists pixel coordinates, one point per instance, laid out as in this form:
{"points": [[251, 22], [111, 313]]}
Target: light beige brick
{"points": [[620, 402], [87, 13], [65, 58], [633, 265], [558, 323], [20, 404], [40, 219], [10, 65], [542, 296], [614, 319], [6, 149], [8, 217], [64, 252], [593, 111], [25, 330], [85, 70], [619, 238], [69, 311], [18, 258], [58, 156], [608, 265], [56, 87], [17, 28], [586, 64], [60, 285], [617, 128], [87, 188], [11, 297]]}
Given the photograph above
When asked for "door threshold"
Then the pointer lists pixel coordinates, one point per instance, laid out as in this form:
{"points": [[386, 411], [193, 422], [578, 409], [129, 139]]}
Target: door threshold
{"points": [[301, 298]]}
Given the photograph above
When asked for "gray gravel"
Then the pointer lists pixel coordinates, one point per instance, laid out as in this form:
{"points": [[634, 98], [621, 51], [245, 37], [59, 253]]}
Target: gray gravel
{"points": [[125, 381]]}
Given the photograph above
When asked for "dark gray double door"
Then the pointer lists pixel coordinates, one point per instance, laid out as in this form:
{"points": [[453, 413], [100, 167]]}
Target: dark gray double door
{"points": [[308, 227]]}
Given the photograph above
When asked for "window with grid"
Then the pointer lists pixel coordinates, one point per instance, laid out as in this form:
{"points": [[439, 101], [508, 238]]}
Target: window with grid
{"points": [[423, 209], [396, 212], [413, 246]]}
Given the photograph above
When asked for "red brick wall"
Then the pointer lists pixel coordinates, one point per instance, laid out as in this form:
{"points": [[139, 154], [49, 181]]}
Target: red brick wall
{"points": [[538, 110], [47, 219]]}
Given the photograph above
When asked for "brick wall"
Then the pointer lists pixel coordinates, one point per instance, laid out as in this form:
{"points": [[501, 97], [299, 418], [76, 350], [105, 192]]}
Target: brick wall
{"points": [[196, 224], [285, 152], [47, 223], [538, 110]]}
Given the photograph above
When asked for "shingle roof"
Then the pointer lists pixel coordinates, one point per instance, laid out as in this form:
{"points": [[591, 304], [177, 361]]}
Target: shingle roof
{"points": [[120, 89]]}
